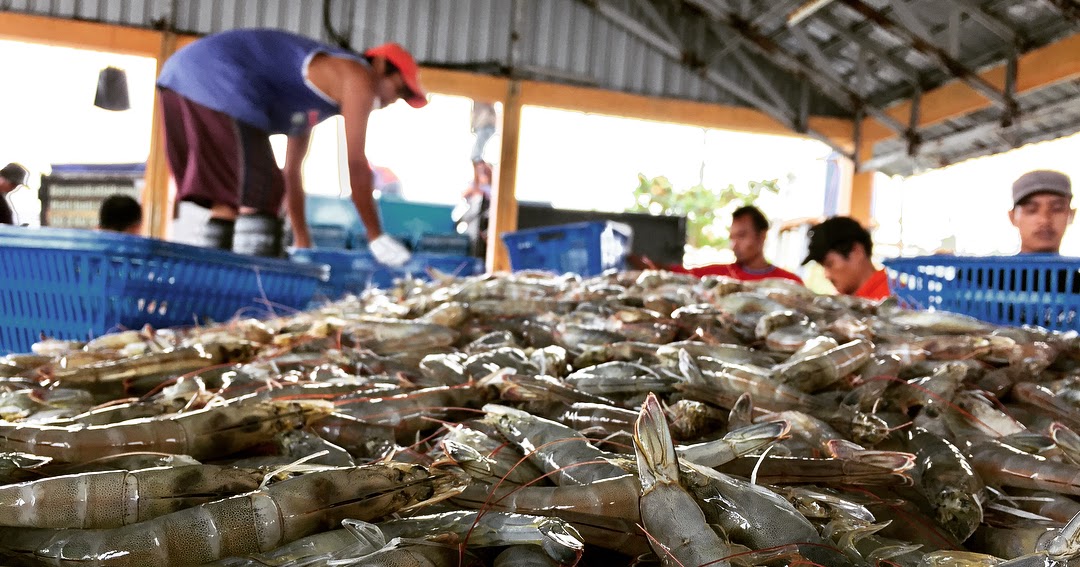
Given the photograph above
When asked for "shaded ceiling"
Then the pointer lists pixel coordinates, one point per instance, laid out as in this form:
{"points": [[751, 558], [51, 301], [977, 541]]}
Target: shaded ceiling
{"points": [[790, 59]]}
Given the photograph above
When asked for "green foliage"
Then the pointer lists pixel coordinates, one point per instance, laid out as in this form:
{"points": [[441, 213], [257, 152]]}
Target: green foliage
{"points": [[706, 209]]}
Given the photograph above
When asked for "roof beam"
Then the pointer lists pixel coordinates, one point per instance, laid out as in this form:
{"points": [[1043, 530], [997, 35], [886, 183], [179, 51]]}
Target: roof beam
{"points": [[763, 83], [1068, 8], [910, 19], [658, 21], [988, 21], [881, 53], [673, 52], [80, 35], [713, 7], [814, 52], [1035, 69], [806, 10], [953, 33], [829, 86], [943, 143], [924, 46], [634, 27], [700, 114]]}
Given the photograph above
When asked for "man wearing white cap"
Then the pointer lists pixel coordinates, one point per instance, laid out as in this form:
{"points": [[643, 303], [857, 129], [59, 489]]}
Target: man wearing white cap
{"points": [[1042, 210]]}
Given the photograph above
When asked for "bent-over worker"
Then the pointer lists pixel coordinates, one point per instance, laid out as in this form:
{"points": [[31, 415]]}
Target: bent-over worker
{"points": [[222, 97]]}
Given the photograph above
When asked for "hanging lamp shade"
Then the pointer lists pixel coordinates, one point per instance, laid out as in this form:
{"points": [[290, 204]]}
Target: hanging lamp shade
{"points": [[112, 90]]}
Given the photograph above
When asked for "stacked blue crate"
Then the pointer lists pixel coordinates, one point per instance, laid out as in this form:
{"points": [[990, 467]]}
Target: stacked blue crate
{"points": [[353, 271], [415, 224], [426, 228], [586, 249]]}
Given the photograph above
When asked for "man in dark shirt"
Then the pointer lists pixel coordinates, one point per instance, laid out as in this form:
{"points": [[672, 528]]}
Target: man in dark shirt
{"points": [[12, 176], [1042, 210]]}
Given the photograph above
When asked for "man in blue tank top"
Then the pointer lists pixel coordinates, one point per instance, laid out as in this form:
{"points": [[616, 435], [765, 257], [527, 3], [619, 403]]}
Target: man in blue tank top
{"points": [[222, 97]]}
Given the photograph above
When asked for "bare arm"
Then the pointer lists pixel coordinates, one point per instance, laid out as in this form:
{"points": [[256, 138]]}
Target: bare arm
{"points": [[357, 101], [295, 152]]}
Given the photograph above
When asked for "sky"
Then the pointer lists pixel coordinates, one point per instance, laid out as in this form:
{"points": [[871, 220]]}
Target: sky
{"points": [[570, 159]]}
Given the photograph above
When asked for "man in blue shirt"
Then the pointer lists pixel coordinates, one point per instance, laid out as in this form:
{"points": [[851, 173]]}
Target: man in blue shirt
{"points": [[224, 95], [1042, 210]]}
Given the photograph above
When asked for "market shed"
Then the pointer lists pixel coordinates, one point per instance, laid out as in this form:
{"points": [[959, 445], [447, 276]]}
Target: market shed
{"points": [[896, 85]]}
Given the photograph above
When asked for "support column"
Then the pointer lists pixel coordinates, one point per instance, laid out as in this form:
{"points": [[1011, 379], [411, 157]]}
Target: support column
{"points": [[862, 195], [157, 206], [504, 205]]}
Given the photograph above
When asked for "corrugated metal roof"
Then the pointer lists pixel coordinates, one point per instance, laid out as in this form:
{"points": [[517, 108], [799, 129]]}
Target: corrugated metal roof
{"points": [[846, 55], [1048, 113]]}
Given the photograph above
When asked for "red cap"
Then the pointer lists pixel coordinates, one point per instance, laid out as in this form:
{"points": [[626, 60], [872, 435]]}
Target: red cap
{"points": [[405, 63]]}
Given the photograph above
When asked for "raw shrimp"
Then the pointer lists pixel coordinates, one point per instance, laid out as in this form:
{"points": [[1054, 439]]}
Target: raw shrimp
{"points": [[119, 498], [411, 412], [604, 512], [554, 447], [11, 463], [755, 516], [209, 432], [678, 531], [948, 481], [817, 372], [1001, 465], [735, 444], [555, 536], [250, 523], [388, 336], [176, 361]]}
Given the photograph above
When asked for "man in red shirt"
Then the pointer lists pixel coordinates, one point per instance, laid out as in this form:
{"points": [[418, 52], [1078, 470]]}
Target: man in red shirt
{"points": [[748, 230], [843, 247]]}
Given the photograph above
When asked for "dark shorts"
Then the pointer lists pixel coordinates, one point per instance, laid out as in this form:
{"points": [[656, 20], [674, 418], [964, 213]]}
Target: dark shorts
{"points": [[216, 159]]}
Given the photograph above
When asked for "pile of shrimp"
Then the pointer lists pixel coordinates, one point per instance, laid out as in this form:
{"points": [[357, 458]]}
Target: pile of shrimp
{"points": [[533, 419]]}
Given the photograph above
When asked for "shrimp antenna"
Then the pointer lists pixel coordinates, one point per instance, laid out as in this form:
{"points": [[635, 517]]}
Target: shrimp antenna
{"points": [[291, 466]]}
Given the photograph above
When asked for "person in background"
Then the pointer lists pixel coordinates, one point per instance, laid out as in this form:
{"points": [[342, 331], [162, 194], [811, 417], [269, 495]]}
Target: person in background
{"points": [[843, 247], [12, 176], [121, 213], [472, 215], [223, 95], [483, 127], [1042, 210], [385, 181], [749, 227]]}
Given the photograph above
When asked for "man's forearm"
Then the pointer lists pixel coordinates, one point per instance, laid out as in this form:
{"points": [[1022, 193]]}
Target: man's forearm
{"points": [[294, 204], [364, 201]]}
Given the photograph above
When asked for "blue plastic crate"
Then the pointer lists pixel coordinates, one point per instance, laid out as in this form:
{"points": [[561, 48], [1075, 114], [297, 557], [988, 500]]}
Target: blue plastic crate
{"points": [[329, 236], [587, 248], [353, 271], [411, 220], [1029, 289], [359, 241], [444, 244], [405, 220], [77, 284]]}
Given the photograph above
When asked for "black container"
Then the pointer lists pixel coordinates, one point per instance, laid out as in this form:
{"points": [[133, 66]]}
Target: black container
{"points": [[659, 238]]}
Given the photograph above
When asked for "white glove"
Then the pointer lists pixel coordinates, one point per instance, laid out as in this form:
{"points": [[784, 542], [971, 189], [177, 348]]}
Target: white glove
{"points": [[389, 251]]}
